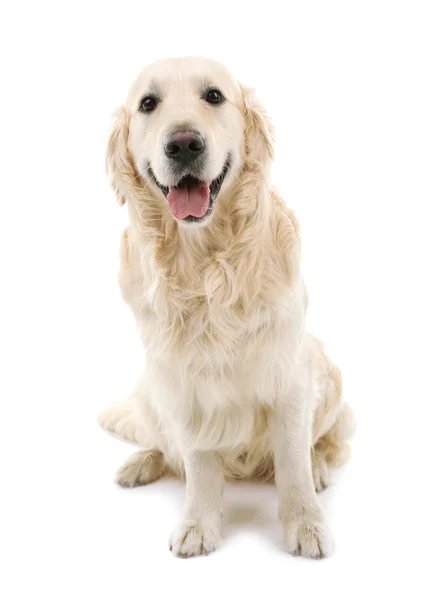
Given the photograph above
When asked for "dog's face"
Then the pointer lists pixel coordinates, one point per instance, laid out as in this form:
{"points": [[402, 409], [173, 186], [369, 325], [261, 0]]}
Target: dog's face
{"points": [[186, 133], [188, 136]]}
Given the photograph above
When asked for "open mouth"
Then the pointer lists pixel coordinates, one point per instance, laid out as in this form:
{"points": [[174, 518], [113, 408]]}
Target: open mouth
{"points": [[192, 199]]}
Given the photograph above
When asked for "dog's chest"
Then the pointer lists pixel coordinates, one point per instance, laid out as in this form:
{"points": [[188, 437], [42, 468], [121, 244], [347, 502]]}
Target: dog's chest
{"points": [[210, 331], [204, 322], [235, 341]]}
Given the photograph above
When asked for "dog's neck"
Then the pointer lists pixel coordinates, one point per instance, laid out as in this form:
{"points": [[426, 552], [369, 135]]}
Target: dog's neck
{"points": [[247, 248], [233, 245]]}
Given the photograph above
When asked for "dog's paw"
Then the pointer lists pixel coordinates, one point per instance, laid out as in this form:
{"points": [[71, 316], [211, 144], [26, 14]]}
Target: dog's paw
{"points": [[320, 472], [192, 538], [308, 538], [141, 468]]}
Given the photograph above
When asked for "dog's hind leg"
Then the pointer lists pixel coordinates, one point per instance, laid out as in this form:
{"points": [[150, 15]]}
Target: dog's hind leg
{"points": [[141, 468], [133, 420], [332, 449], [333, 421], [122, 419]]}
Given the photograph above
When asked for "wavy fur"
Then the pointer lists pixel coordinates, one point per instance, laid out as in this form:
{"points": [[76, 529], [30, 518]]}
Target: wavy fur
{"points": [[221, 313]]}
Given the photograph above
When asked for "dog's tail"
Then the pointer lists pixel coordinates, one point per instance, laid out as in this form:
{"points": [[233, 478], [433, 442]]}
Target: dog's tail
{"points": [[121, 420]]}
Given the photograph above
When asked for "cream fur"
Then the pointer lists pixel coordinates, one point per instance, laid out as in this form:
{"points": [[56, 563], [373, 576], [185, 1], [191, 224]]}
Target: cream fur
{"points": [[233, 387]]}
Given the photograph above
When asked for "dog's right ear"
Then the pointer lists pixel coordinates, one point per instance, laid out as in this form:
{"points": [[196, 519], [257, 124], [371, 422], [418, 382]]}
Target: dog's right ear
{"points": [[119, 165]]}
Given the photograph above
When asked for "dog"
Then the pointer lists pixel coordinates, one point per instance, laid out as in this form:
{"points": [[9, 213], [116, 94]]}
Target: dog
{"points": [[233, 387]]}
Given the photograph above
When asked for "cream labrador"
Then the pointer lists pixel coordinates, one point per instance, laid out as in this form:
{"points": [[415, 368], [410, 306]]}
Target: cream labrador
{"points": [[210, 265]]}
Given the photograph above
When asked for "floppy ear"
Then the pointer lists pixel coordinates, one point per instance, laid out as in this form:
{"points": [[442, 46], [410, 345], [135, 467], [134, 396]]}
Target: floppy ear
{"points": [[119, 164], [259, 131]]}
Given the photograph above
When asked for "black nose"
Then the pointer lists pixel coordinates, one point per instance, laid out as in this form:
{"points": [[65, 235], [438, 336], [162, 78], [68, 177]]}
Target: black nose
{"points": [[184, 146]]}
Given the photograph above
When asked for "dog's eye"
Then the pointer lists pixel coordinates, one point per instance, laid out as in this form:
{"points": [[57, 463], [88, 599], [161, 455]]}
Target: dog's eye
{"points": [[148, 104], [214, 97]]}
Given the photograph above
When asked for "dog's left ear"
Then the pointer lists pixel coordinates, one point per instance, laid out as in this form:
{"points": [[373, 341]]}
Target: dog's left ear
{"points": [[119, 164], [259, 131]]}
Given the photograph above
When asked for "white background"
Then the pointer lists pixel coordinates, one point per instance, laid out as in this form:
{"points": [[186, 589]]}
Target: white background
{"points": [[356, 91]]}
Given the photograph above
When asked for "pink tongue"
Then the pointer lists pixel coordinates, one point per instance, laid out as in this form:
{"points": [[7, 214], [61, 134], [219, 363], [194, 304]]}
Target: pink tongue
{"points": [[187, 201]]}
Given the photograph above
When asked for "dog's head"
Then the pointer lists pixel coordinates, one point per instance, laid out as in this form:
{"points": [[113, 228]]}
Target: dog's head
{"points": [[186, 133]]}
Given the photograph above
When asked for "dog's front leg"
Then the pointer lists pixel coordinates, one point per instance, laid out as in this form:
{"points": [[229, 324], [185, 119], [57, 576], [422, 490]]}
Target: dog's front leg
{"points": [[305, 531], [199, 530]]}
